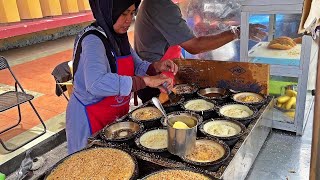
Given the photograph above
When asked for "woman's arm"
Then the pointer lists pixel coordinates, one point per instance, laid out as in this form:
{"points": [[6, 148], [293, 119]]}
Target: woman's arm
{"points": [[142, 67], [97, 76]]}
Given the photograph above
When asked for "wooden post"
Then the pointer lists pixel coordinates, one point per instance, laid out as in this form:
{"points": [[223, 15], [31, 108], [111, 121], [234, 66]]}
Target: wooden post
{"points": [[315, 148]]}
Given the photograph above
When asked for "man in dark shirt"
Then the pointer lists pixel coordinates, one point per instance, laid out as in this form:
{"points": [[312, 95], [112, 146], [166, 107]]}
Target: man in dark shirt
{"points": [[159, 25]]}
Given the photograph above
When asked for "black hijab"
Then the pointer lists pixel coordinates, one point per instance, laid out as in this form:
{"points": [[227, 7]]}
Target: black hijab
{"points": [[106, 13]]}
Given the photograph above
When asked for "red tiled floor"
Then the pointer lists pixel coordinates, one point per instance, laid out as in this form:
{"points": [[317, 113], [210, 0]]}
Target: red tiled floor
{"points": [[28, 73], [34, 76], [47, 102], [28, 115], [6, 121], [23, 127]]}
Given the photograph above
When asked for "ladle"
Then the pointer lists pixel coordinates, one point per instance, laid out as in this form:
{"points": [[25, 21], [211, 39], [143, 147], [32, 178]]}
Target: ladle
{"points": [[157, 103]]}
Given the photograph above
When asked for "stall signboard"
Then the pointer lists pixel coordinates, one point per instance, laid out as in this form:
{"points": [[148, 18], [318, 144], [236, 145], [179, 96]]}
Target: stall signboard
{"points": [[238, 76]]}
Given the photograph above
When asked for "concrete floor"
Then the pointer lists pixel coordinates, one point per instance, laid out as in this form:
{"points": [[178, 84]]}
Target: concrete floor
{"points": [[284, 156]]}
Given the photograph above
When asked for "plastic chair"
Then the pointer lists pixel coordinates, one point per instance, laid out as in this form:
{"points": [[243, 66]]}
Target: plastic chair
{"points": [[11, 99]]}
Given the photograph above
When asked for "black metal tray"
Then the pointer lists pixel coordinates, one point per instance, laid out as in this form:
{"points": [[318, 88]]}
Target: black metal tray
{"points": [[150, 162]]}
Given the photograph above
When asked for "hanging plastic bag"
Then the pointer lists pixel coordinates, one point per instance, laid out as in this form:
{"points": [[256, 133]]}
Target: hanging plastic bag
{"points": [[211, 17], [216, 15], [25, 167]]}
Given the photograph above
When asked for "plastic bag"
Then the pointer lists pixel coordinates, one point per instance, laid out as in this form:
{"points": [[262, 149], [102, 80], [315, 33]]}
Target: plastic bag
{"points": [[218, 15], [25, 167], [209, 17]]}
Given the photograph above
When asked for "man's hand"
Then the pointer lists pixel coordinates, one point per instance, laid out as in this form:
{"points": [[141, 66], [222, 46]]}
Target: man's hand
{"points": [[257, 32], [167, 65]]}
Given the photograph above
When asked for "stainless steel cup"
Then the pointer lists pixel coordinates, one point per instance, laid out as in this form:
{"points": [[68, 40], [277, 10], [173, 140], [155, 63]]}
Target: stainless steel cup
{"points": [[182, 141]]}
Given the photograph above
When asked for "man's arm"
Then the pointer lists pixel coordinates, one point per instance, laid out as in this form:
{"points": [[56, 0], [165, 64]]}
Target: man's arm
{"points": [[202, 44]]}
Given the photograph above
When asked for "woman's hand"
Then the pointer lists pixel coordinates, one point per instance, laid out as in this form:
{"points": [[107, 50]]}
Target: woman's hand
{"points": [[158, 81], [167, 65]]}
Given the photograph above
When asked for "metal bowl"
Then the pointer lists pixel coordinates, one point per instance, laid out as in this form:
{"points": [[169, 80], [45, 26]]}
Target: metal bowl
{"points": [[252, 98], [206, 114], [149, 149], [252, 112], [175, 105], [186, 90], [148, 123], [230, 140], [177, 173], [213, 93], [191, 114], [121, 131], [219, 145]]}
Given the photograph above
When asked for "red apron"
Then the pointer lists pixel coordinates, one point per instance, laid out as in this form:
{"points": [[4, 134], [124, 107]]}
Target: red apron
{"points": [[110, 108]]}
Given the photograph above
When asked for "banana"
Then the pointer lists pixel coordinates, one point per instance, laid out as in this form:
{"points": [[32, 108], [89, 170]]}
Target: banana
{"points": [[291, 101], [283, 99], [283, 105], [279, 105], [291, 93], [294, 105]]}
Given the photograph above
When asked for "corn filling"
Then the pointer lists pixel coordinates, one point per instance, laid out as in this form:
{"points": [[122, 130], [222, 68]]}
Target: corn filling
{"points": [[205, 152], [177, 175], [101, 163]]}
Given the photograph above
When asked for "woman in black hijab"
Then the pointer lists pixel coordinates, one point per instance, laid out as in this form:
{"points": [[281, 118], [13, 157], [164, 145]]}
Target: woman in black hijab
{"points": [[106, 71]]}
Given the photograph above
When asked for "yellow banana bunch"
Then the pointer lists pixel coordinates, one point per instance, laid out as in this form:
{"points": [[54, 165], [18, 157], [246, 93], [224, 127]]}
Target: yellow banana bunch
{"points": [[288, 101], [283, 99], [291, 93]]}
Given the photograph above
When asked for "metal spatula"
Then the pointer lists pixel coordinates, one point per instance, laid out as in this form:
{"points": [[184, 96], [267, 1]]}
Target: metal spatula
{"points": [[171, 95]]}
